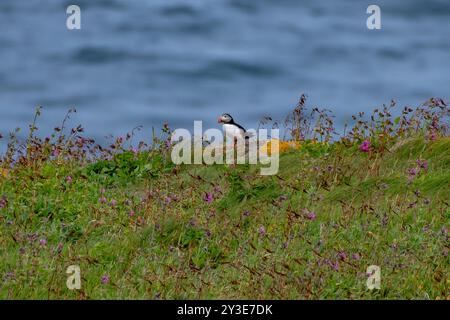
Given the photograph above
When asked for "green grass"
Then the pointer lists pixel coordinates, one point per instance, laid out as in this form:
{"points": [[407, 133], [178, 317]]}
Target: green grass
{"points": [[176, 245]]}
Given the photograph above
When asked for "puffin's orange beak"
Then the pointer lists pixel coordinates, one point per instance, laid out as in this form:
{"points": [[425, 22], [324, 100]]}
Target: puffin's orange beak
{"points": [[219, 120]]}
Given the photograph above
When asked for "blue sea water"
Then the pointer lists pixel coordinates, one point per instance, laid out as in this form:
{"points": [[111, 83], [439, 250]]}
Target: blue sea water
{"points": [[142, 62]]}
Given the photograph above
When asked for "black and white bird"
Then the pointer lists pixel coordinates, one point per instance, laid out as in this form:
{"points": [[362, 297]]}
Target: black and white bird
{"points": [[231, 128]]}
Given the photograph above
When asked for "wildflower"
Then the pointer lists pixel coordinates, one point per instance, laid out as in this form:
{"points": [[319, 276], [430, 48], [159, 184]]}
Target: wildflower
{"points": [[105, 279], [208, 233], [3, 202], [426, 201], [356, 256], [412, 173], [262, 231], [113, 203], [43, 242], [102, 200], [342, 255], [433, 136], [131, 213], [55, 153], [208, 197], [102, 190], [217, 189], [69, 179], [334, 265], [365, 146], [423, 164], [22, 250], [310, 215], [246, 213]]}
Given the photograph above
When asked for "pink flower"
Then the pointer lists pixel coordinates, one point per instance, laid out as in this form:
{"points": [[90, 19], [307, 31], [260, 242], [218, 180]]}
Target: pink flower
{"points": [[105, 279], [433, 136], [208, 197], [113, 203], [69, 179], [43, 242], [365, 146], [131, 213], [342, 255], [262, 231], [102, 200], [3, 202], [310, 215], [423, 164], [356, 256], [55, 153]]}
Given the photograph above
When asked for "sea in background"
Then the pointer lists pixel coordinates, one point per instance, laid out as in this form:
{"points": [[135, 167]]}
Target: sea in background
{"points": [[143, 62]]}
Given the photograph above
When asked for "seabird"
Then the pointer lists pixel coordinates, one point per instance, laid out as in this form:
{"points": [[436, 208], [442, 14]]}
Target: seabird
{"points": [[231, 128]]}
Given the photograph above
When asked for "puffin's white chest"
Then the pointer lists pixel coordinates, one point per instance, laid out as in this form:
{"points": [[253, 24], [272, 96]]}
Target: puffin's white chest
{"points": [[233, 131]]}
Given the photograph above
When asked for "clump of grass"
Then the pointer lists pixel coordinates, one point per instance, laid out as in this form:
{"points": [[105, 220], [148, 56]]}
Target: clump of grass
{"points": [[140, 227]]}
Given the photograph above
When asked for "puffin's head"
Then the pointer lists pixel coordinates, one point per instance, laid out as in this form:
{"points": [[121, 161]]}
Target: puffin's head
{"points": [[225, 118]]}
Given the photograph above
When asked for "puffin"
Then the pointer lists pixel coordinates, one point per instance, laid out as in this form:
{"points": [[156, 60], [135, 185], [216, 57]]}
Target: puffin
{"points": [[231, 128]]}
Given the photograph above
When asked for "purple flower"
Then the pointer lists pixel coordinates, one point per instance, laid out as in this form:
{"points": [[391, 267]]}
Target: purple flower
{"points": [[433, 136], [102, 200], [131, 213], [55, 153], [105, 279], [262, 231], [423, 164], [334, 265], [342, 255], [113, 203], [365, 146], [208, 233], [310, 215], [208, 197], [3, 202], [356, 256], [246, 213], [43, 242], [412, 173], [69, 179]]}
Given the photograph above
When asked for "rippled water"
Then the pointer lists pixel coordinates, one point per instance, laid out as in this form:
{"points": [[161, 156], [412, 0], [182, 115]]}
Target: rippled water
{"points": [[140, 62]]}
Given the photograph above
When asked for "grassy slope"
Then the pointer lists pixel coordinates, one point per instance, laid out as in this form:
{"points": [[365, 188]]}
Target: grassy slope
{"points": [[177, 245]]}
